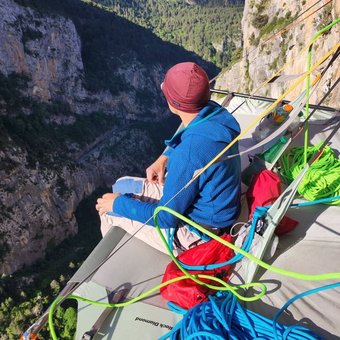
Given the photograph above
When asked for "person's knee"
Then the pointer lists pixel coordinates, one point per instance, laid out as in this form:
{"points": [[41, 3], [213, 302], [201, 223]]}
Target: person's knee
{"points": [[104, 230], [104, 224]]}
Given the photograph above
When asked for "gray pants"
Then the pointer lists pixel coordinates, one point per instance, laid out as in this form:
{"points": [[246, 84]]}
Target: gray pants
{"points": [[151, 192]]}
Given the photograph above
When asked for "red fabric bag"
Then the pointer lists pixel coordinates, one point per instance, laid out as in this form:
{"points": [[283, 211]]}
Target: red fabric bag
{"points": [[264, 189], [187, 293]]}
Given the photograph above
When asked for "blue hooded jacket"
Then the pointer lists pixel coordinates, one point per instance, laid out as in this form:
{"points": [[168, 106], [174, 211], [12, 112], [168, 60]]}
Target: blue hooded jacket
{"points": [[213, 199]]}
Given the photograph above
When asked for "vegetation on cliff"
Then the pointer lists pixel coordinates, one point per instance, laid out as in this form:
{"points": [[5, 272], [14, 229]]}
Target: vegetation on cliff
{"points": [[110, 42]]}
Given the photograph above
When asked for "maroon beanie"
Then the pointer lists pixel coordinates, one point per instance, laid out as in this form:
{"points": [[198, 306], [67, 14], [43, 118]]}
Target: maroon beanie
{"points": [[186, 87]]}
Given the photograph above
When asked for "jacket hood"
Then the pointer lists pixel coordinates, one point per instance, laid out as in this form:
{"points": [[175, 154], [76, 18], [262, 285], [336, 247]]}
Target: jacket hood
{"points": [[213, 122]]}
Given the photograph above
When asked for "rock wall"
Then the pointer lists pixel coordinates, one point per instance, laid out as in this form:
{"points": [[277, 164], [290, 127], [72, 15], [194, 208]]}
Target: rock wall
{"points": [[45, 48], [38, 212], [267, 47], [38, 205]]}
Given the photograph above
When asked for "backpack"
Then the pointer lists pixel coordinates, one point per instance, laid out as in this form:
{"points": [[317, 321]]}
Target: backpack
{"points": [[264, 189], [187, 293]]}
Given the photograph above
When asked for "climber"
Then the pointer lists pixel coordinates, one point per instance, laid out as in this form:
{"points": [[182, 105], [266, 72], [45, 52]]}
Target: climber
{"points": [[212, 200]]}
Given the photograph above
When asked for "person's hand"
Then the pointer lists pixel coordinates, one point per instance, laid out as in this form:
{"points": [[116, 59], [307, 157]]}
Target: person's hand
{"points": [[156, 171], [105, 203]]}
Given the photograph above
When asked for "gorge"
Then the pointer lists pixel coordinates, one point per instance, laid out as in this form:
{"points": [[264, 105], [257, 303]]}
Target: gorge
{"points": [[80, 106]]}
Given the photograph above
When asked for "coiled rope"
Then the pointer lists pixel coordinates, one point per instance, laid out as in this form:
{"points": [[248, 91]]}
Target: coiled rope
{"points": [[321, 180], [223, 317]]}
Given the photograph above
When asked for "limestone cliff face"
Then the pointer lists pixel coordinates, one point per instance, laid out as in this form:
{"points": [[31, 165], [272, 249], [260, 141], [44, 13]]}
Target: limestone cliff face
{"points": [[267, 48], [38, 201], [36, 214], [47, 49]]}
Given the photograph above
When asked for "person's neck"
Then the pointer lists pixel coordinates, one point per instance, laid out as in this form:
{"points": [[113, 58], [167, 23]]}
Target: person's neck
{"points": [[186, 117]]}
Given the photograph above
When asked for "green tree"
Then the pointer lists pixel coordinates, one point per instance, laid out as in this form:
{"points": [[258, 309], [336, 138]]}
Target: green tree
{"points": [[55, 286], [70, 322]]}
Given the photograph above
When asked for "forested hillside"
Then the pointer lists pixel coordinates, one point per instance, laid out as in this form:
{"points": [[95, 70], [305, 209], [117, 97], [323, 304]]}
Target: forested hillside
{"points": [[212, 29]]}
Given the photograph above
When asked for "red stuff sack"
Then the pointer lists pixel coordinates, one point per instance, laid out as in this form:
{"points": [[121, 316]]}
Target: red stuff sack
{"points": [[264, 189], [187, 293]]}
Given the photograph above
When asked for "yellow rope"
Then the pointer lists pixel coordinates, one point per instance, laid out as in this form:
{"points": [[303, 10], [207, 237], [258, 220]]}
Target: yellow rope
{"points": [[306, 47], [287, 28]]}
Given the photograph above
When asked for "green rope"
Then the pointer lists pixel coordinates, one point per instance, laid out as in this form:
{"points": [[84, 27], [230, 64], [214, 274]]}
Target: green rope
{"points": [[265, 265], [223, 285], [309, 63], [322, 179]]}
